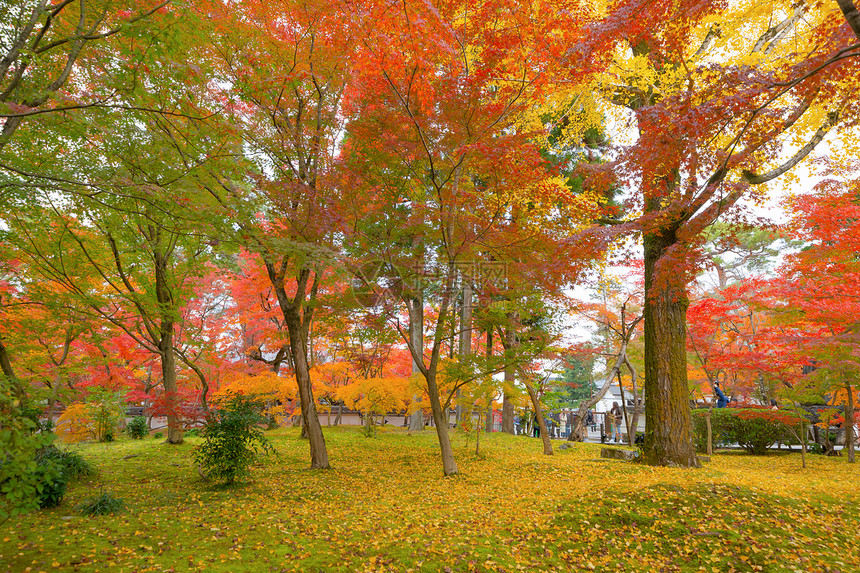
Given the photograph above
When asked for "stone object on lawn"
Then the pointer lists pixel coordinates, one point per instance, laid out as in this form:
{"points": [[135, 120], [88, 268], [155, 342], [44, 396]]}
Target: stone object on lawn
{"points": [[619, 454]]}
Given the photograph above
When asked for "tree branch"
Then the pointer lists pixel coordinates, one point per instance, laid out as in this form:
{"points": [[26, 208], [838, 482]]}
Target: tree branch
{"points": [[753, 179], [851, 15]]}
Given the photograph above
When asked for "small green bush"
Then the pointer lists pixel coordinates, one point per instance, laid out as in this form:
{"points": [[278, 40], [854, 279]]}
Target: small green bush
{"points": [[52, 484], [22, 479], [754, 429], [192, 433], [72, 464], [232, 440], [157, 436], [137, 429], [57, 468], [101, 505]]}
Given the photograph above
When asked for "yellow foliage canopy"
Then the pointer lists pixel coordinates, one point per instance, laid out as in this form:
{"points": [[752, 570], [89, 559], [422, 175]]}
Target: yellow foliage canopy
{"points": [[76, 424], [278, 392], [377, 395]]}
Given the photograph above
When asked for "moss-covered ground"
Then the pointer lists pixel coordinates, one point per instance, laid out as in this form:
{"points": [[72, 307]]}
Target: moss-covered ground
{"points": [[385, 506]]}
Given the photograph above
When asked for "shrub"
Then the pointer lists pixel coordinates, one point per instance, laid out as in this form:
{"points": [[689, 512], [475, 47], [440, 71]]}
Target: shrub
{"points": [[73, 465], [57, 467], [192, 433], [157, 436], [232, 439], [52, 483], [754, 429], [21, 479], [137, 429], [101, 505]]}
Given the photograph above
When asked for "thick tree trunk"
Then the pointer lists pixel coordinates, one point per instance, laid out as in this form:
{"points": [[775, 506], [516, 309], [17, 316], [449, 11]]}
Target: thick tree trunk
{"points": [[171, 388], [416, 335], [507, 410], [310, 419], [668, 434], [507, 405], [466, 321], [167, 309]]}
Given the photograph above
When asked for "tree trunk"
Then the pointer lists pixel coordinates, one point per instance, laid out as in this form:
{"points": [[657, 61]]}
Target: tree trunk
{"points": [[167, 309], [311, 423], [849, 421], [489, 421], [440, 417], [710, 433], [9, 373], [368, 424], [630, 434], [544, 434], [52, 401], [802, 444], [478, 435], [507, 405], [416, 335], [668, 435], [204, 384], [168, 377], [851, 15], [297, 315]]}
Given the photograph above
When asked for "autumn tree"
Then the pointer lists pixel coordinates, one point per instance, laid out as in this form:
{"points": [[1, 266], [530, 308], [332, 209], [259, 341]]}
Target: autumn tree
{"points": [[720, 95], [130, 235], [43, 44], [441, 112], [816, 292], [286, 67]]}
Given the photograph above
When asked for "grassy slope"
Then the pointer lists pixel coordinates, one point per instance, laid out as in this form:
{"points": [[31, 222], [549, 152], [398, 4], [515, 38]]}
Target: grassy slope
{"points": [[385, 506]]}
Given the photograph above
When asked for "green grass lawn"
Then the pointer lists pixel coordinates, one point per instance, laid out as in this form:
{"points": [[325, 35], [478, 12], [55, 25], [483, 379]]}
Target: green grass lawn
{"points": [[385, 506]]}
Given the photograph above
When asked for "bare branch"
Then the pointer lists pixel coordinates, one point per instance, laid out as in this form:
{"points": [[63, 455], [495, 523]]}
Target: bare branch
{"points": [[774, 34]]}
